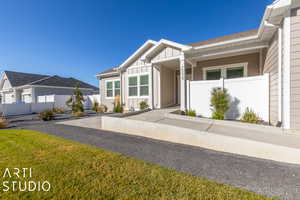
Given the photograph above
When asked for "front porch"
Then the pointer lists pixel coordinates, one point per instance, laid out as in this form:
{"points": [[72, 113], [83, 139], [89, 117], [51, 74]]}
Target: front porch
{"points": [[176, 75]]}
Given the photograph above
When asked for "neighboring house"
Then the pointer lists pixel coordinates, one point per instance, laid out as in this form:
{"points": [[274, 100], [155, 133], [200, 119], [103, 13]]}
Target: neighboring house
{"points": [[20, 87], [158, 70]]}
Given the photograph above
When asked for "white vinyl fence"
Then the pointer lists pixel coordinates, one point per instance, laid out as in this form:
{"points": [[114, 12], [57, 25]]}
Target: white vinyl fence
{"points": [[252, 92], [60, 100], [22, 109]]}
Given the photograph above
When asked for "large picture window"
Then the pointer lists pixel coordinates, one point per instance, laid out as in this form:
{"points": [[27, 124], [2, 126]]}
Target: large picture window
{"points": [[138, 86], [227, 71]]}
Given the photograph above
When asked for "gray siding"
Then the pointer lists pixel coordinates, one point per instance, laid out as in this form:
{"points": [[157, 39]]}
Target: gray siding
{"points": [[295, 69], [251, 59], [271, 67]]}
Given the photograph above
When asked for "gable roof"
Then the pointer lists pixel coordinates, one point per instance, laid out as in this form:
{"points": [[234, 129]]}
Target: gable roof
{"points": [[225, 38], [19, 79]]}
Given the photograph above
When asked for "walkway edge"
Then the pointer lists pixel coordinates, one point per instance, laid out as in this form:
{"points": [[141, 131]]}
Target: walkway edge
{"points": [[202, 139]]}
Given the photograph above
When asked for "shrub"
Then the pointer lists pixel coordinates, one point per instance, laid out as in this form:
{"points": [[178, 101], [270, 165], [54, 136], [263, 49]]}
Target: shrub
{"points": [[143, 105], [219, 103], [46, 115], [103, 108], [78, 114], [118, 107], [191, 113], [3, 122], [58, 110], [95, 106], [250, 116], [75, 102]]}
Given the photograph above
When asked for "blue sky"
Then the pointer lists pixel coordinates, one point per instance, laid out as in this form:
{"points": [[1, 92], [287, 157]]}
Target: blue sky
{"points": [[80, 38]]}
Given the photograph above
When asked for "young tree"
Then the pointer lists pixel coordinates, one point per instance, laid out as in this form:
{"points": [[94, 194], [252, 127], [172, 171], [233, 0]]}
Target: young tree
{"points": [[75, 102], [219, 102]]}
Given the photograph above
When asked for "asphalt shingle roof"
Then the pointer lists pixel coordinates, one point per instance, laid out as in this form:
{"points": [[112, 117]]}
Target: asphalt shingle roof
{"points": [[19, 78]]}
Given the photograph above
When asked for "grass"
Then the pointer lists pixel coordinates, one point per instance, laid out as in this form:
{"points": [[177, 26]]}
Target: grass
{"points": [[78, 171]]}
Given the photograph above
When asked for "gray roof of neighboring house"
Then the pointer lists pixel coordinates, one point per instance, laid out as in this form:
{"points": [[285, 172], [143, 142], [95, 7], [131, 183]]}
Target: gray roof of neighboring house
{"points": [[19, 78], [224, 38]]}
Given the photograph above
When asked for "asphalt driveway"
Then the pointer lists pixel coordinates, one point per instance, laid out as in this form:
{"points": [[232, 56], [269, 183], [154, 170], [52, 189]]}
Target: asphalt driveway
{"points": [[261, 176]]}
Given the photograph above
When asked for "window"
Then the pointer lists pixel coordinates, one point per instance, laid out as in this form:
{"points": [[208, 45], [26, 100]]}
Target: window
{"points": [[227, 71], [214, 74], [138, 86], [117, 88], [113, 88], [133, 86], [236, 72], [144, 85], [109, 89]]}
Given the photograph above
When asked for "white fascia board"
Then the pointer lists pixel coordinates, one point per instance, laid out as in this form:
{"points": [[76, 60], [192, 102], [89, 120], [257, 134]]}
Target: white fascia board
{"points": [[164, 42], [230, 51], [151, 42], [105, 74], [239, 40]]}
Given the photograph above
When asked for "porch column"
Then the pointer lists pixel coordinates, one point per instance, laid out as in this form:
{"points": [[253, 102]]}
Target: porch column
{"points": [[151, 100], [182, 83], [33, 97]]}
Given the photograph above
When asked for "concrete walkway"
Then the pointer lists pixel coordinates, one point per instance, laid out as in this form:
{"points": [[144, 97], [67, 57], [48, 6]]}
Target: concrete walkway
{"points": [[261, 135]]}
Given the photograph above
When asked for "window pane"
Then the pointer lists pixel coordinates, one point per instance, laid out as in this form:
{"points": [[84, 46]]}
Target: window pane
{"points": [[132, 91], [117, 84], [144, 90], [109, 85], [133, 81], [117, 92], [236, 72], [109, 93], [213, 74], [144, 80]]}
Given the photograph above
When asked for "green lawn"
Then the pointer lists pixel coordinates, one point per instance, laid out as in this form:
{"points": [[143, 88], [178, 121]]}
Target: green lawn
{"points": [[80, 171]]}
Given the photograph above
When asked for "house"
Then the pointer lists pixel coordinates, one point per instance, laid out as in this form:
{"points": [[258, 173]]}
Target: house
{"points": [[158, 71], [18, 87]]}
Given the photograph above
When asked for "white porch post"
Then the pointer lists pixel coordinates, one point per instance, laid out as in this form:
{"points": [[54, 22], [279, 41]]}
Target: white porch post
{"points": [[151, 100], [33, 97], [182, 83]]}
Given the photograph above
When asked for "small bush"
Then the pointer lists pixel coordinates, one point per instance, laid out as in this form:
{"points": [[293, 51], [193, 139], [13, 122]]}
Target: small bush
{"points": [[78, 114], [191, 113], [3, 123], [104, 108], [58, 110], [95, 106], [250, 116], [46, 115], [143, 105], [118, 107], [219, 103]]}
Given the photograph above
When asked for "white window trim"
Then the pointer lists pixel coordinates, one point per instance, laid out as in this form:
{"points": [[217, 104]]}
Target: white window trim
{"points": [[113, 87], [138, 75], [224, 67]]}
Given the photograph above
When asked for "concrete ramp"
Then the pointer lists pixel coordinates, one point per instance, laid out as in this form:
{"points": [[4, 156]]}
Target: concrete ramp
{"points": [[90, 122], [209, 140]]}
